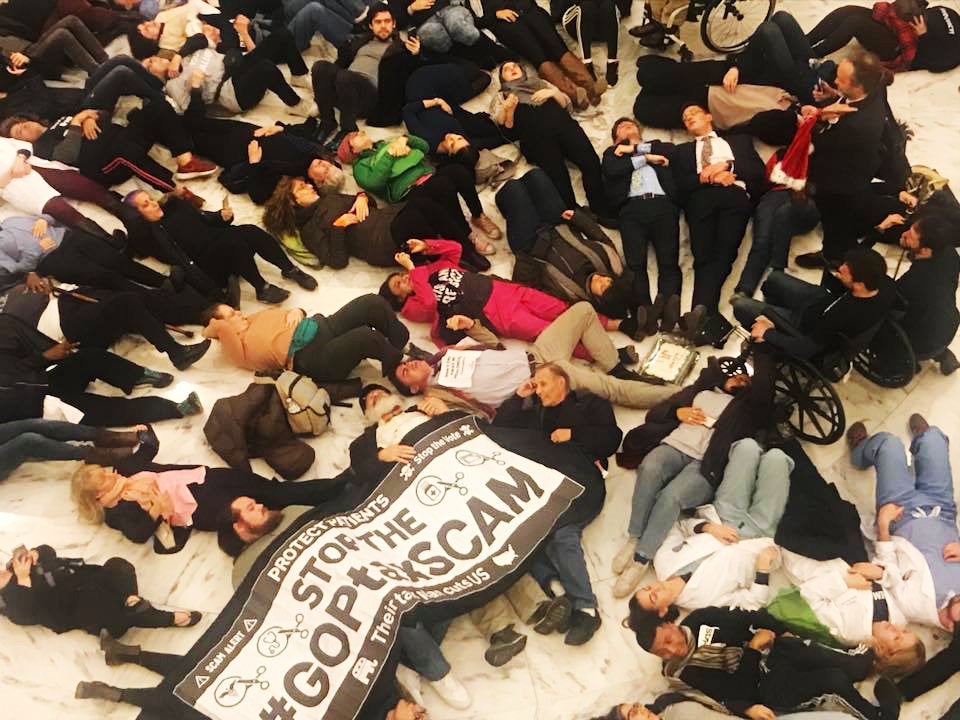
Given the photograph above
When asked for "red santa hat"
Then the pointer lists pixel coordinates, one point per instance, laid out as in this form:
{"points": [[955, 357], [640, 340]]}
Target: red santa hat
{"points": [[791, 168]]}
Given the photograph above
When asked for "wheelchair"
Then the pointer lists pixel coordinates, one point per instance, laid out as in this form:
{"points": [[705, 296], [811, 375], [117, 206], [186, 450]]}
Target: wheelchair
{"points": [[725, 25]]}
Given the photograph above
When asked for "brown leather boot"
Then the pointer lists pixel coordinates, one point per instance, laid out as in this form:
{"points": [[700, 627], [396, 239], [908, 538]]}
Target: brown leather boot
{"points": [[553, 73], [577, 71]]}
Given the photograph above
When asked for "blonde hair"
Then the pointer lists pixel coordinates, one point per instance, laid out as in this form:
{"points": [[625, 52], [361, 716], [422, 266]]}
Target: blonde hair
{"points": [[898, 664], [83, 490]]}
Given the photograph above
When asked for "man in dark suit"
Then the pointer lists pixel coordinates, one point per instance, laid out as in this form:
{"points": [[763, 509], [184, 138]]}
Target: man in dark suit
{"points": [[640, 186], [849, 144], [719, 180]]}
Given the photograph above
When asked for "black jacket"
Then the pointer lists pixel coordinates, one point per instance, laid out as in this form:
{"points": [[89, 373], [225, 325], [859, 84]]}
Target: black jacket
{"points": [[23, 369], [939, 49], [590, 419], [929, 288], [370, 240], [747, 166], [748, 413], [617, 172], [847, 154]]}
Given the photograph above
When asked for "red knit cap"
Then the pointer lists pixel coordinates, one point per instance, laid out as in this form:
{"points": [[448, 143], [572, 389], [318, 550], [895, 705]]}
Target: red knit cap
{"points": [[791, 170], [345, 153]]}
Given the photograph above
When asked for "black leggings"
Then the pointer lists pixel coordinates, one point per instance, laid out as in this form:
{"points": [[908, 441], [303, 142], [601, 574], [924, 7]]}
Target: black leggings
{"points": [[253, 75], [103, 323], [69, 378], [533, 36], [120, 75], [224, 256], [590, 21], [447, 182], [364, 328], [853, 21], [85, 259], [424, 217]]}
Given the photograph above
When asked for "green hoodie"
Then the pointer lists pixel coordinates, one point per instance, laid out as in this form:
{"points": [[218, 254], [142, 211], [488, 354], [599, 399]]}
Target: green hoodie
{"points": [[391, 178]]}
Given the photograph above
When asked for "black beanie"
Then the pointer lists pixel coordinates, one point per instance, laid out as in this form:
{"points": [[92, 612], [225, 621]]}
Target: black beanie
{"points": [[367, 389]]}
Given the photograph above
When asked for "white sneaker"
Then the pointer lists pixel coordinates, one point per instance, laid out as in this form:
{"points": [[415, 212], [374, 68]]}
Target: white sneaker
{"points": [[629, 579], [305, 108], [302, 81], [452, 692], [409, 682], [624, 556]]}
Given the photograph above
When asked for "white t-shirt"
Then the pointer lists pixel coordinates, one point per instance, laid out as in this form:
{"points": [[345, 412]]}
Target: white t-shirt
{"points": [[27, 194]]}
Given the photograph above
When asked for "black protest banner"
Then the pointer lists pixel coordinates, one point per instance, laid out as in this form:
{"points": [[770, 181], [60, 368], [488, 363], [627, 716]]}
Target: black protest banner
{"points": [[312, 631]]}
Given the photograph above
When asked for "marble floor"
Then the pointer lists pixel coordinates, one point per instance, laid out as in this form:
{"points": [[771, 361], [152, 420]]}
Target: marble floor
{"points": [[38, 671]]}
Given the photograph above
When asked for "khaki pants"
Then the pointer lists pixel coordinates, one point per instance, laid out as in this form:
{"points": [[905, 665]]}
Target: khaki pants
{"points": [[579, 324], [662, 9], [519, 601]]}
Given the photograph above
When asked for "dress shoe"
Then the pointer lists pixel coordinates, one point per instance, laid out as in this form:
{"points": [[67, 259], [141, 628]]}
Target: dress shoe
{"points": [[186, 355], [272, 295]]}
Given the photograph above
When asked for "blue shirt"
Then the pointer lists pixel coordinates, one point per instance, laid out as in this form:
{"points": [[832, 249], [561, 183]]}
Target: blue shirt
{"points": [[929, 535], [20, 251], [644, 179]]}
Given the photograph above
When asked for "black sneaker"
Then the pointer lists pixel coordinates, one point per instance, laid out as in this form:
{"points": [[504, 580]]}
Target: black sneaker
{"points": [[811, 261], [583, 625], [504, 646], [555, 616], [186, 355], [628, 355], [621, 373], [272, 295], [154, 378], [190, 406], [307, 282]]}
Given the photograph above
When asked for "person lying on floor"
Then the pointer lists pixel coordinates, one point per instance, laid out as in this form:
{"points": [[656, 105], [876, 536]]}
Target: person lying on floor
{"points": [[327, 348], [396, 169], [93, 317], [335, 226], [685, 443], [497, 373], [36, 440], [39, 588], [145, 500], [723, 554], [918, 544], [442, 293], [33, 365], [180, 234], [718, 652]]}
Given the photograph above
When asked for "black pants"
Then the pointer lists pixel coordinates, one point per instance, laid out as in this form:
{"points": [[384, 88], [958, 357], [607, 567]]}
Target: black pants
{"points": [[717, 218], [592, 21], [425, 217], [352, 93], [101, 602], [85, 259], [119, 154], [550, 137], [940, 668], [788, 685], [253, 75], [364, 328], [447, 183], [853, 21], [69, 378], [120, 75], [222, 140], [280, 48], [232, 251], [159, 123], [533, 36], [656, 221], [844, 219], [778, 54], [116, 314]]}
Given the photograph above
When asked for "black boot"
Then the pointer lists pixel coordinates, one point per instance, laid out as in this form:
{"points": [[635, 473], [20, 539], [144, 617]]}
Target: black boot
{"points": [[115, 652], [671, 314], [613, 72], [190, 406], [628, 355], [186, 355], [635, 326], [307, 282], [948, 362], [583, 625], [272, 295], [622, 373], [97, 691], [504, 645]]}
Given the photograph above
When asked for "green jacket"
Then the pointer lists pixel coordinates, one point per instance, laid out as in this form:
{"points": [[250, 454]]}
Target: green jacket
{"points": [[391, 178]]}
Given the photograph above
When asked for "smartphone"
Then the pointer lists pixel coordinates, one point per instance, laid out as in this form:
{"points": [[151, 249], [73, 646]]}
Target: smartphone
{"points": [[709, 422]]}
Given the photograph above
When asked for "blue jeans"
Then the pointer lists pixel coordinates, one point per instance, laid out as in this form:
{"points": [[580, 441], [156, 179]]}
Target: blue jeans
{"points": [[562, 559], [305, 18], [777, 219], [929, 484], [753, 494], [454, 23], [36, 439], [421, 649], [526, 203], [668, 482]]}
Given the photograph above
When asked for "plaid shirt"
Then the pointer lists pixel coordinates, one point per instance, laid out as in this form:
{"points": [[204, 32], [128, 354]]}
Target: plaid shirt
{"points": [[907, 37]]}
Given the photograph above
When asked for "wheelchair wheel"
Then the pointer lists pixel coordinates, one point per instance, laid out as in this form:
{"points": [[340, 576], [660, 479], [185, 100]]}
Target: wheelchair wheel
{"points": [[888, 360], [805, 403], [726, 25]]}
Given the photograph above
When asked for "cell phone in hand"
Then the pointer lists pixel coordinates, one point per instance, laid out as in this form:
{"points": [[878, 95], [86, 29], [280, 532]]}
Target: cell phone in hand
{"points": [[709, 422]]}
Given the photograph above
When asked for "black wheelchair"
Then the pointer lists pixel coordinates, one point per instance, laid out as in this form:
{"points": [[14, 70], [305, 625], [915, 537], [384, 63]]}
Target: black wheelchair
{"points": [[725, 25]]}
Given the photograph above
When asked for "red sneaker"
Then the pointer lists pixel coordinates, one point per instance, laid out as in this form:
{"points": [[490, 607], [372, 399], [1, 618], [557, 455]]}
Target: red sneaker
{"points": [[196, 168]]}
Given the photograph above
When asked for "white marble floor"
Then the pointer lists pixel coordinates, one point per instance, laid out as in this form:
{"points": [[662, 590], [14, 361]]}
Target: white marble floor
{"points": [[38, 670]]}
